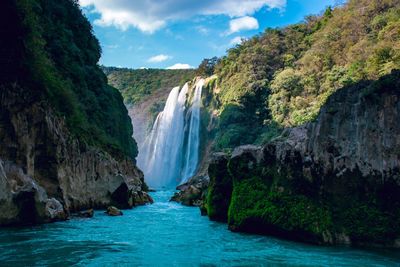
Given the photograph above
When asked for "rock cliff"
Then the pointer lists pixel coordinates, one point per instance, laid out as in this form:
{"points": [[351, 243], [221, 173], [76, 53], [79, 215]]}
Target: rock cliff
{"points": [[333, 181], [65, 136], [46, 173]]}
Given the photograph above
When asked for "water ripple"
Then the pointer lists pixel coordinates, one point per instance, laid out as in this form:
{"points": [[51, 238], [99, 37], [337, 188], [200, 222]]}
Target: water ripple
{"points": [[166, 234]]}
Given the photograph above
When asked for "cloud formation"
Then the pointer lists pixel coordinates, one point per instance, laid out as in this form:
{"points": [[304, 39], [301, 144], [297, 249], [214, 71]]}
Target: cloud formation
{"points": [[151, 15], [236, 40], [158, 58], [180, 66], [243, 23]]}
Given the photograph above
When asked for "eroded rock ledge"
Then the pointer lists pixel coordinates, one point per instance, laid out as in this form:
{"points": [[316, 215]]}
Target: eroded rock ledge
{"points": [[333, 181], [45, 173]]}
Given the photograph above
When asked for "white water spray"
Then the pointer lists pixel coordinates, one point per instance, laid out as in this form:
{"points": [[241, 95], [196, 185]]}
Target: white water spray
{"points": [[162, 157], [193, 144]]}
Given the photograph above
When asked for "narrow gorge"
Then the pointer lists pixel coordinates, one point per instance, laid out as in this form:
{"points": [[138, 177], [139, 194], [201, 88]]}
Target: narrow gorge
{"points": [[283, 149]]}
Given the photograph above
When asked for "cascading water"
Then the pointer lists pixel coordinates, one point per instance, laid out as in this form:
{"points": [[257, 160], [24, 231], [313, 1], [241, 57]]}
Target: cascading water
{"points": [[193, 144], [163, 157]]}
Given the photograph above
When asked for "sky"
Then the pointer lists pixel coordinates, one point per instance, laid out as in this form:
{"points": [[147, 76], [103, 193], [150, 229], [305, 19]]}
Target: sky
{"points": [[181, 33]]}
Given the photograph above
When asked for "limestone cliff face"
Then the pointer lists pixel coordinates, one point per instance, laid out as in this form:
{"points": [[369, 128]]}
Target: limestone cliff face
{"points": [[45, 173], [357, 132], [333, 181]]}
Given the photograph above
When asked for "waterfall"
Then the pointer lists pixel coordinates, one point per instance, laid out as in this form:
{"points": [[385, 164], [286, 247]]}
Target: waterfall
{"points": [[193, 144], [163, 156]]}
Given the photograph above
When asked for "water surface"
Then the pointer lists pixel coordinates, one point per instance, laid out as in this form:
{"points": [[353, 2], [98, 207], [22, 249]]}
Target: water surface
{"points": [[166, 234]]}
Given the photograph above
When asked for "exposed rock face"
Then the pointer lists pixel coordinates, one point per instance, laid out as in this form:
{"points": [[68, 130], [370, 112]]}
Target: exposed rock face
{"points": [[46, 173], [192, 193], [220, 188], [333, 181]]}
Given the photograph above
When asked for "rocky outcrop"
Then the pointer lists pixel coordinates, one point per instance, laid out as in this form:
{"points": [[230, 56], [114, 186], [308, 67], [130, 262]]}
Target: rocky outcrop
{"points": [[192, 193], [220, 188], [47, 173], [333, 181], [113, 211]]}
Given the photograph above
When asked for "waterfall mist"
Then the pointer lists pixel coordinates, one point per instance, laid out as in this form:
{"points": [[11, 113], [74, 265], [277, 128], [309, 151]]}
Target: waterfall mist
{"points": [[170, 153]]}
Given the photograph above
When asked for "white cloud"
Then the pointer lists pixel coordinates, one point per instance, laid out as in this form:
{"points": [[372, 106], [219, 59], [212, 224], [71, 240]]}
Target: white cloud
{"points": [[202, 30], [243, 23], [151, 15], [158, 58], [236, 40], [180, 66]]}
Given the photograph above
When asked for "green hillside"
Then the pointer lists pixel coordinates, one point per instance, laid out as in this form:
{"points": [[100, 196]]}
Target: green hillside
{"points": [[281, 78], [136, 84]]}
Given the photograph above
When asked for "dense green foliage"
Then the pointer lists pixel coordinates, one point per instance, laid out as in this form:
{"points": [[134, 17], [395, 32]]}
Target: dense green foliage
{"points": [[61, 55], [206, 67], [134, 85], [282, 77]]}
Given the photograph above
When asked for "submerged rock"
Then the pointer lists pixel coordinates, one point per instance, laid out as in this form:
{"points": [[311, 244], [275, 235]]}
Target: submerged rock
{"points": [[113, 211], [85, 213]]}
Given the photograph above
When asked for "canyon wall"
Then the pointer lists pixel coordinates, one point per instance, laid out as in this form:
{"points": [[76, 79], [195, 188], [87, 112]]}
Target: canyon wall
{"points": [[332, 181], [65, 135], [46, 173]]}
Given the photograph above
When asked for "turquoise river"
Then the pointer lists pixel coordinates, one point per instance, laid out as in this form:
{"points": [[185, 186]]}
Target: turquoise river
{"points": [[166, 234]]}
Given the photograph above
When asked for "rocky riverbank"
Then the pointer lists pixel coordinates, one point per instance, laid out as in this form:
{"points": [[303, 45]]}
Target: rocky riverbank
{"points": [[333, 181], [45, 173]]}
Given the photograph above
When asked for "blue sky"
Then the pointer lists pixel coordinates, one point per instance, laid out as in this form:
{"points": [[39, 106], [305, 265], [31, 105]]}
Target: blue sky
{"points": [[180, 33]]}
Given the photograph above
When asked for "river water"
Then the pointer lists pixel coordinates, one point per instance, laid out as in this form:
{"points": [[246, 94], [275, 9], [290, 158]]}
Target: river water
{"points": [[166, 234]]}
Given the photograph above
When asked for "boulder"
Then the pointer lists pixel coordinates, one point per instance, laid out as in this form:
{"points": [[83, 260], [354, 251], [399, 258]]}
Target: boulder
{"points": [[191, 193], [113, 211], [141, 198], [86, 213], [55, 210]]}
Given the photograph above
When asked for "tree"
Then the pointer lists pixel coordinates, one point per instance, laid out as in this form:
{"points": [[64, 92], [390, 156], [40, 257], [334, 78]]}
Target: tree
{"points": [[206, 67]]}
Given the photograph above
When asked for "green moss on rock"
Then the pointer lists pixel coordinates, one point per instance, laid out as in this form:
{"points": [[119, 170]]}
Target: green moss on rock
{"points": [[219, 190], [255, 207]]}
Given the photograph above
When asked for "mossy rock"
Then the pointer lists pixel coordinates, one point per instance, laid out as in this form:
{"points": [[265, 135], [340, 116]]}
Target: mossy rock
{"points": [[219, 190], [256, 208]]}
